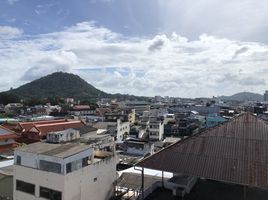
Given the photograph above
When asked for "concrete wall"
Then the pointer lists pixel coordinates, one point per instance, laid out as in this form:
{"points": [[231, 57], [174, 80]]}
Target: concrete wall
{"points": [[122, 128], [38, 178], [9, 141], [159, 131], [6, 186], [92, 182], [32, 160]]}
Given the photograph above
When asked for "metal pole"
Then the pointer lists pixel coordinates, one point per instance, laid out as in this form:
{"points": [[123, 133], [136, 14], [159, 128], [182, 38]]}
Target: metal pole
{"points": [[142, 183], [162, 179]]}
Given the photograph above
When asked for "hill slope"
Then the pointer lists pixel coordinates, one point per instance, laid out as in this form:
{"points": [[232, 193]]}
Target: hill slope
{"points": [[58, 84], [244, 96]]}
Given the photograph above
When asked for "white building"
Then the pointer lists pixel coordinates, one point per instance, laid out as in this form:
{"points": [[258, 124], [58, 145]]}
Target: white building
{"points": [[123, 129], [138, 147], [156, 130], [63, 136], [63, 171]]}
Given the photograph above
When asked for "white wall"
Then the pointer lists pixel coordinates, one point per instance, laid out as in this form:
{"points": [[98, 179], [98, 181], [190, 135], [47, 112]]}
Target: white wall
{"points": [[78, 185], [122, 127], [38, 178], [81, 185]]}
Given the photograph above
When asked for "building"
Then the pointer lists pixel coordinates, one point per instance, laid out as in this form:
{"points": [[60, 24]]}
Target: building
{"points": [[80, 110], [63, 136], [266, 96], [156, 129], [122, 114], [38, 130], [139, 106], [123, 129], [6, 182], [138, 147], [214, 120], [13, 108], [7, 140], [63, 172], [232, 153]]}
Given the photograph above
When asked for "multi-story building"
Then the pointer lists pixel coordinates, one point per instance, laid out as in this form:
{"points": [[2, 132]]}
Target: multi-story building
{"points": [[156, 129], [122, 114], [123, 129], [63, 171], [80, 110]]}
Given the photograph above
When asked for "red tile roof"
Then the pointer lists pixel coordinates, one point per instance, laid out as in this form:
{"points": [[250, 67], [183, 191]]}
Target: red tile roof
{"points": [[45, 128], [236, 152], [8, 147], [7, 134], [26, 126], [81, 107], [102, 111]]}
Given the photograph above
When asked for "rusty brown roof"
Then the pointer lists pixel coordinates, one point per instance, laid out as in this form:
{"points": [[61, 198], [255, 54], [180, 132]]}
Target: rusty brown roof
{"points": [[235, 151]]}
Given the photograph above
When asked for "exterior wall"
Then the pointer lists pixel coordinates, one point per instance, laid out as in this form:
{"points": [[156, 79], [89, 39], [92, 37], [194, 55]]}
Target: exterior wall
{"points": [[145, 149], [38, 178], [132, 117], [6, 186], [92, 182], [32, 160], [122, 128], [156, 131], [7, 141], [63, 136], [81, 112]]}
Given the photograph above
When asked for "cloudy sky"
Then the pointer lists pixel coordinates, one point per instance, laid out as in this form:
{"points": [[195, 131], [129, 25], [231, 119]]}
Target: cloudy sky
{"points": [[178, 48]]}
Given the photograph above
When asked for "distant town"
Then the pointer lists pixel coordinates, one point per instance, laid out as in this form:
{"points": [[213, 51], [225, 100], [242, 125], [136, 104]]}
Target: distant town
{"points": [[157, 148]]}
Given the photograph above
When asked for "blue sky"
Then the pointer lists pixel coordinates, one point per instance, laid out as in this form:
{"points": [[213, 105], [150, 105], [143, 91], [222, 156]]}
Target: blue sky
{"points": [[44, 16], [143, 47]]}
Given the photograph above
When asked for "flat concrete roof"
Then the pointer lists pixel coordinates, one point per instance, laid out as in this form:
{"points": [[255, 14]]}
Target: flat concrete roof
{"points": [[55, 150], [7, 171]]}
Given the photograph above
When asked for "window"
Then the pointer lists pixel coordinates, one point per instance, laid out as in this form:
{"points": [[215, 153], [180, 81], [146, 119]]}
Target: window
{"points": [[95, 179], [50, 194], [85, 162], [50, 166], [68, 168], [25, 187], [75, 165], [18, 160]]}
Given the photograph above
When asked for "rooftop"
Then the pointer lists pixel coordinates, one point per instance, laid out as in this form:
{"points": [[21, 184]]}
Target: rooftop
{"points": [[133, 181], [6, 171], [211, 190], [45, 128], [55, 150], [26, 126], [6, 133], [235, 152]]}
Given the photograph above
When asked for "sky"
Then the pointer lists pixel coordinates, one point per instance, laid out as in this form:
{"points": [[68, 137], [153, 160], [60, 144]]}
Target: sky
{"points": [[193, 48]]}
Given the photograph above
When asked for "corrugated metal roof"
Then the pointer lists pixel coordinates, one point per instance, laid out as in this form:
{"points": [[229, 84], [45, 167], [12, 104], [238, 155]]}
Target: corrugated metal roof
{"points": [[235, 151]]}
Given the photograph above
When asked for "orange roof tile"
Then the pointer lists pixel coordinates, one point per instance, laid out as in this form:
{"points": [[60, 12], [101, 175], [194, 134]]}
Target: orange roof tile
{"points": [[45, 128], [26, 126]]}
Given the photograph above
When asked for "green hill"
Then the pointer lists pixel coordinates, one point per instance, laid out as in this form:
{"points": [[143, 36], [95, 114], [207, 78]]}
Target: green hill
{"points": [[59, 85]]}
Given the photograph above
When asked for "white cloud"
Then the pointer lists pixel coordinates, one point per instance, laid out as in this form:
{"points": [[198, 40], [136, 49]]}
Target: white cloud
{"points": [[161, 65], [8, 32], [235, 19]]}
